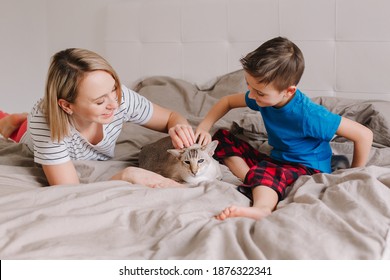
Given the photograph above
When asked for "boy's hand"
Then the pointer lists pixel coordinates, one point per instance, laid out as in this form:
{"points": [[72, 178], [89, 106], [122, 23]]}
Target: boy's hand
{"points": [[202, 136], [182, 135]]}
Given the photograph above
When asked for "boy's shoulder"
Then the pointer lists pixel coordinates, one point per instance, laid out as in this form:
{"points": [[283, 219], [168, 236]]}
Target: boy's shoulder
{"points": [[306, 100]]}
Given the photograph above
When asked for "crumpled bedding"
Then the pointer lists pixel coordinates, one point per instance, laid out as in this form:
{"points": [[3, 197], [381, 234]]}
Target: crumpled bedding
{"points": [[343, 215]]}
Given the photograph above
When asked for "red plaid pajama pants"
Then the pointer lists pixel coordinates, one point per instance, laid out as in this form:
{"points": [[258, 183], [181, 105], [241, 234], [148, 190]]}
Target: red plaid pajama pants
{"points": [[264, 171]]}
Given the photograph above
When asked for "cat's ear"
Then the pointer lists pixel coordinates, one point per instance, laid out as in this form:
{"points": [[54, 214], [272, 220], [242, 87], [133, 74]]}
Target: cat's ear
{"points": [[210, 147], [175, 152]]}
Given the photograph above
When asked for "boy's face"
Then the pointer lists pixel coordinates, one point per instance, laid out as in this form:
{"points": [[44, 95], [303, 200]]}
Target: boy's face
{"points": [[268, 95]]}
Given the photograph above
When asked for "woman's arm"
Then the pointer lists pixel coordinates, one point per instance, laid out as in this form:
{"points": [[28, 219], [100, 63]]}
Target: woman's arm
{"points": [[361, 137], [61, 174], [224, 105], [176, 125]]}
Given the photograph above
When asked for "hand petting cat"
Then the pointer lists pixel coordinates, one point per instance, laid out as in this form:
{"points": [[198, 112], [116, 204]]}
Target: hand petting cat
{"points": [[182, 135], [202, 136]]}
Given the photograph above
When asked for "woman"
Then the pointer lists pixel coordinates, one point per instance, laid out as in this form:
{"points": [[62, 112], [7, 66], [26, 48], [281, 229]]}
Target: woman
{"points": [[81, 116]]}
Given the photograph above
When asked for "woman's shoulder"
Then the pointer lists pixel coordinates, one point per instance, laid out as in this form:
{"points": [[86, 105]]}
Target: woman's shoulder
{"points": [[37, 109], [134, 106], [37, 115], [130, 96]]}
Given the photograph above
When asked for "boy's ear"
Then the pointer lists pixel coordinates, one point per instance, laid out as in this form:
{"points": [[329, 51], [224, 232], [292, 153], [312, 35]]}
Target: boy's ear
{"points": [[291, 90]]}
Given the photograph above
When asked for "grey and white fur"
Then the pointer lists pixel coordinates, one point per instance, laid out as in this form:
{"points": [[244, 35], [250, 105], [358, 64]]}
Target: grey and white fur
{"points": [[189, 165]]}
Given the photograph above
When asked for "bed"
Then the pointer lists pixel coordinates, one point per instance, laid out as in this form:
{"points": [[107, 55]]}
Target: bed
{"points": [[342, 215], [104, 219]]}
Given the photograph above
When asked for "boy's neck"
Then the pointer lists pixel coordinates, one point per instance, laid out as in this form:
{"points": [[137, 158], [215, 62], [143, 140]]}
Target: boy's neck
{"points": [[285, 101]]}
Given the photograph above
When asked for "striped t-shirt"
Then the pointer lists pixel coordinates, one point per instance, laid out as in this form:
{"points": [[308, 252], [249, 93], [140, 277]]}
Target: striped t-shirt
{"points": [[133, 108]]}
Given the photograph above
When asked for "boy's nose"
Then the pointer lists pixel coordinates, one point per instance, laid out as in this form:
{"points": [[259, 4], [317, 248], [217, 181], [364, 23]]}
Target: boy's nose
{"points": [[250, 95]]}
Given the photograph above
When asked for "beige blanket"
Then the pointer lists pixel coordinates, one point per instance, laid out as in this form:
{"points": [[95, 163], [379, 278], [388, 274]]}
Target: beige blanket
{"points": [[344, 215]]}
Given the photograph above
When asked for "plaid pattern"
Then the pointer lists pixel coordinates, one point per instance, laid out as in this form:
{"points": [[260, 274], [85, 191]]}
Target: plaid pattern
{"points": [[264, 170]]}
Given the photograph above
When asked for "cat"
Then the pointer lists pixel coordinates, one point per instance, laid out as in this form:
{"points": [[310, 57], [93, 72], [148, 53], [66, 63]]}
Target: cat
{"points": [[339, 162], [188, 165]]}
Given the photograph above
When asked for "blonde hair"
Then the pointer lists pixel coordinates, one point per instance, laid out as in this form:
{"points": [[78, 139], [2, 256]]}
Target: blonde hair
{"points": [[67, 69]]}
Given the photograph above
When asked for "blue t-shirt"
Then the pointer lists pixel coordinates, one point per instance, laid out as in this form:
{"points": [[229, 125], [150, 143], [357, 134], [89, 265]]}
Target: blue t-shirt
{"points": [[300, 131]]}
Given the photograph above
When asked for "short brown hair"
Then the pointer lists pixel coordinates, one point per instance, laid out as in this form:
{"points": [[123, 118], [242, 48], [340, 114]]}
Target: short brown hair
{"points": [[66, 71], [278, 61]]}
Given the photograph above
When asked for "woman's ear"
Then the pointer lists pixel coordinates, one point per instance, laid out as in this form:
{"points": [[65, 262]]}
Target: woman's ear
{"points": [[65, 106]]}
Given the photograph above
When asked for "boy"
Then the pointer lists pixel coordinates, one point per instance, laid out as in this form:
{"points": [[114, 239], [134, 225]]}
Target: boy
{"points": [[298, 130]]}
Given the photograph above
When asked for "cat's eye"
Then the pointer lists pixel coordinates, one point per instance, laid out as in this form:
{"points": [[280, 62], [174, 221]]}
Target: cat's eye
{"points": [[187, 162], [201, 160]]}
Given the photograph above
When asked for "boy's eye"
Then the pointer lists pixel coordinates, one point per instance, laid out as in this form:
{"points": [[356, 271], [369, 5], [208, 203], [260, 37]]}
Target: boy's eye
{"points": [[260, 93]]}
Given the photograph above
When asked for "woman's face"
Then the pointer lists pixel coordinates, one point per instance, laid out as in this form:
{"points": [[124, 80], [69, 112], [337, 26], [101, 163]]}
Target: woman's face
{"points": [[97, 99]]}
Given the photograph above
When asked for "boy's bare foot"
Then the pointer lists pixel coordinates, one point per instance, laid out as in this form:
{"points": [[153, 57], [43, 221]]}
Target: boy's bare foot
{"points": [[10, 123], [248, 212]]}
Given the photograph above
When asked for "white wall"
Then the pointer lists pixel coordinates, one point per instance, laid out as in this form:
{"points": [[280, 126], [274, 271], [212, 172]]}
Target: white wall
{"points": [[76, 23], [23, 53], [346, 43], [353, 33], [31, 31]]}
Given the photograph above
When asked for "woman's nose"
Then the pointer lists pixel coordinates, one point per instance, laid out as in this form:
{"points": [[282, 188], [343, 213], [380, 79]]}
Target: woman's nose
{"points": [[113, 104]]}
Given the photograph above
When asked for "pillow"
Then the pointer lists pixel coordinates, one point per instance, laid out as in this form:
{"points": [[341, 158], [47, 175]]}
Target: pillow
{"points": [[194, 101], [374, 114]]}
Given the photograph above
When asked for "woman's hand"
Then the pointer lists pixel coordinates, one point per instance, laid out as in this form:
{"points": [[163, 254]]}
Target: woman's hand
{"points": [[136, 175], [182, 135]]}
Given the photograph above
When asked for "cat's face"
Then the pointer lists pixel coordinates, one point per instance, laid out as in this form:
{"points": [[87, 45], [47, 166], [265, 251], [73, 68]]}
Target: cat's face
{"points": [[195, 159]]}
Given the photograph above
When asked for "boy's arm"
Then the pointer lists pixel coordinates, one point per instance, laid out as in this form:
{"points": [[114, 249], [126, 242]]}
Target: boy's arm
{"points": [[361, 137], [224, 105]]}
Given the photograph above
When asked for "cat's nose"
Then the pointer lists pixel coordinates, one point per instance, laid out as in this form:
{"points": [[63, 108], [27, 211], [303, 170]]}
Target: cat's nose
{"points": [[194, 170]]}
